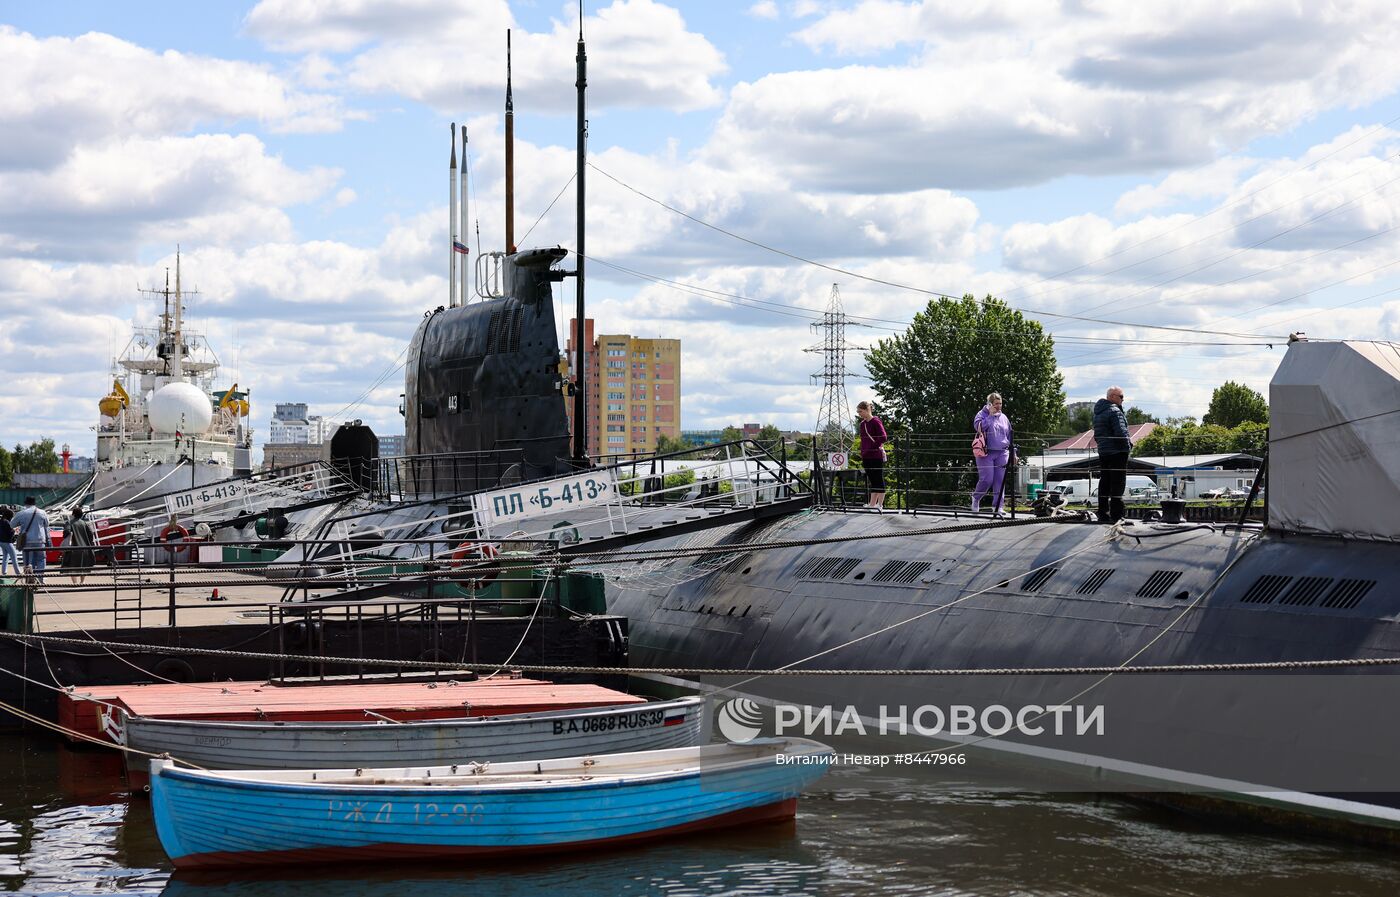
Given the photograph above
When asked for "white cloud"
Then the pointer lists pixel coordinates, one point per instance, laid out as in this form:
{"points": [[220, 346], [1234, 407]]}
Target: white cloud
{"points": [[58, 92], [643, 55], [1000, 94], [764, 9], [122, 192]]}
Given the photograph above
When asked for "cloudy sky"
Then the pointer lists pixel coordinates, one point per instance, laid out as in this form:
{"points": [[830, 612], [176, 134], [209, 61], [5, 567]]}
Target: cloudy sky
{"points": [[1167, 186]]}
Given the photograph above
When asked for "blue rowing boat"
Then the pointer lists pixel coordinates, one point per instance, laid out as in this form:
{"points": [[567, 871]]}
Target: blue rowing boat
{"points": [[211, 819]]}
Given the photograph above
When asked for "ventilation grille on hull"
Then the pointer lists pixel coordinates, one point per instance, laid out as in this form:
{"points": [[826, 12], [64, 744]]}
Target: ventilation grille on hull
{"points": [[1034, 581], [826, 568], [1307, 591], [1094, 581], [1265, 589], [1158, 583]]}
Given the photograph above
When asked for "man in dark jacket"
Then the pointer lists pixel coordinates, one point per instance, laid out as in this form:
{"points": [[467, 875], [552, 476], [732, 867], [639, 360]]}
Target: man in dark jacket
{"points": [[1111, 437]]}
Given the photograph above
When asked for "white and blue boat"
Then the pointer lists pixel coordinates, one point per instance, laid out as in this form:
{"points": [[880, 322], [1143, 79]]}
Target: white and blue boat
{"points": [[212, 819]]}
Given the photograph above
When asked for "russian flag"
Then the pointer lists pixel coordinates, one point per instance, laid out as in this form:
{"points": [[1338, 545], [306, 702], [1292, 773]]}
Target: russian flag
{"points": [[673, 718], [459, 246]]}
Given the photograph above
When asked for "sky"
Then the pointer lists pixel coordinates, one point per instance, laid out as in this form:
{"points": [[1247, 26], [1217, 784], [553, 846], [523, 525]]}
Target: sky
{"points": [[1170, 188]]}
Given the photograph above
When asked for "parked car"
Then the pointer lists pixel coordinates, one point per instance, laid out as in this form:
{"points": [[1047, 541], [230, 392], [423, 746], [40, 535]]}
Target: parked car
{"points": [[1139, 490]]}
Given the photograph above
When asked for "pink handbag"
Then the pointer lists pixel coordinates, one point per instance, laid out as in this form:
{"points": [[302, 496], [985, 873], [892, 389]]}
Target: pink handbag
{"points": [[979, 445]]}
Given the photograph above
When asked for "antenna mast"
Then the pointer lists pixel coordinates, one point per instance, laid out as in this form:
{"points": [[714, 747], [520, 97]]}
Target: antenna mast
{"points": [[510, 158], [580, 377]]}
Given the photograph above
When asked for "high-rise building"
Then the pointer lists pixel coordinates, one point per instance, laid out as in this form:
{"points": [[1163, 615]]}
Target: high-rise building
{"points": [[634, 390], [291, 424]]}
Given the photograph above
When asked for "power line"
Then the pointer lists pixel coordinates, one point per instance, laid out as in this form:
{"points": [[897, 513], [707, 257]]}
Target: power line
{"points": [[902, 286]]}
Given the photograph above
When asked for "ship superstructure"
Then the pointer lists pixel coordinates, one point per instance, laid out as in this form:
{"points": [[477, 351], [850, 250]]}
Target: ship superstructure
{"points": [[164, 426]]}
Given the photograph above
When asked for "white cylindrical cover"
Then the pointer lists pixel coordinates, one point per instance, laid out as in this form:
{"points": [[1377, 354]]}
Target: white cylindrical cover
{"points": [[182, 408]]}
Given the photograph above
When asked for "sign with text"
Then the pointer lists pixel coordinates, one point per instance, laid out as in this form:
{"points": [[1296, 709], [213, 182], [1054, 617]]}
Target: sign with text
{"points": [[230, 497], [507, 506]]}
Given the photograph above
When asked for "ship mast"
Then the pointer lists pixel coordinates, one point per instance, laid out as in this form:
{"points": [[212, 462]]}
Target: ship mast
{"points": [[177, 353], [581, 378]]}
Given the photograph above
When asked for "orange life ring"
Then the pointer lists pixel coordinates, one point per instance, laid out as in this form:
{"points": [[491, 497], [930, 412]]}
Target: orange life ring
{"points": [[175, 537], [470, 552]]}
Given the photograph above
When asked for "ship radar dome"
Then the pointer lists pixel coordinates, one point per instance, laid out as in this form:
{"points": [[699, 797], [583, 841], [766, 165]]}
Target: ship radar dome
{"points": [[182, 408]]}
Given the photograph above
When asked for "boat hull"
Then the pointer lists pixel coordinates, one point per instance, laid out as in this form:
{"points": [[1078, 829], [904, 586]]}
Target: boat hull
{"points": [[210, 819], [524, 736]]}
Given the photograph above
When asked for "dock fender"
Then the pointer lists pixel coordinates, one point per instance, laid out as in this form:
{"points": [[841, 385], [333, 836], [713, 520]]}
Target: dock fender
{"points": [[174, 669]]}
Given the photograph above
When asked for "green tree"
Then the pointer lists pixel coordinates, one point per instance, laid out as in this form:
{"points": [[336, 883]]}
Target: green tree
{"points": [[1079, 416], [731, 434], [37, 457], [1202, 439], [769, 436], [7, 467], [934, 377], [665, 444], [1136, 415], [1234, 403]]}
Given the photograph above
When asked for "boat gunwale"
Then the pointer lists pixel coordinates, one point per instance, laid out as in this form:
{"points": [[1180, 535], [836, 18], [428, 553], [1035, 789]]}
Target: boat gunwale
{"points": [[610, 777], [316, 726]]}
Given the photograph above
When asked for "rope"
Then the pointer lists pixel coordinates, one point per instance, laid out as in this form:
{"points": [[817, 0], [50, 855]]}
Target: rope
{"points": [[1246, 666]]}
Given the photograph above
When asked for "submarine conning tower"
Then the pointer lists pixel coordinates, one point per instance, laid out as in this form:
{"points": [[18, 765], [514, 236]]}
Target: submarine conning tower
{"points": [[484, 377], [1334, 440]]}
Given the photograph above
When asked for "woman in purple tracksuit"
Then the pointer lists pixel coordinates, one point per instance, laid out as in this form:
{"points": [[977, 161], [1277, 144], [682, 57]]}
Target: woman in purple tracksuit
{"points": [[872, 453], [995, 428]]}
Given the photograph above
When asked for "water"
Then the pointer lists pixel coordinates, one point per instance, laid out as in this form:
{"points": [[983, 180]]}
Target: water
{"points": [[67, 828]]}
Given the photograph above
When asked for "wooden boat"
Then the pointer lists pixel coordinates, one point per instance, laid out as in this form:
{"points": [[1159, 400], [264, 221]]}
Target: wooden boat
{"points": [[210, 819], [517, 736]]}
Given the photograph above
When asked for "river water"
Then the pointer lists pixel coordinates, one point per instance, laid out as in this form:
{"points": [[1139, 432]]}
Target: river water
{"points": [[66, 827]]}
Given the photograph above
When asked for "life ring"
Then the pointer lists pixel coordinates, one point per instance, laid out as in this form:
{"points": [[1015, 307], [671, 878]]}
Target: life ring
{"points": [[469, 553], [175, 538]]}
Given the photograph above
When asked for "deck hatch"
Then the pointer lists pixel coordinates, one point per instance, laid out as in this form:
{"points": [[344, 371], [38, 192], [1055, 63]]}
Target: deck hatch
{"points": [[1348, 593], [1158, 583], [1306, 590], [1265, 589], [1038, 578], [1094, 581]]}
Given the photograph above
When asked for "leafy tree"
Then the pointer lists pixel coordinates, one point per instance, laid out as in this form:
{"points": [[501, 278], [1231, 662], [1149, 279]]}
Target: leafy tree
{"points": [[1234, 403], [7, 467], [1202, 439], [37, 457], [1136, 415], [666, 444], [934, 377], [731, 434], [768, 437], [1079, 416], [1181, 421]]}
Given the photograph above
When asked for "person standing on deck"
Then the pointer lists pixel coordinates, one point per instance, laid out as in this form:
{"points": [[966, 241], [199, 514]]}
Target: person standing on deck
{"points": [[1111, 438], [32, 528], [993, 430], [872, 453], [7, 542]]}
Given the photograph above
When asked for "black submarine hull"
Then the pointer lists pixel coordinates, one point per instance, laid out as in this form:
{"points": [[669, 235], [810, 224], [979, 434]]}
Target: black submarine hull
{"points": [[1071, 595]]}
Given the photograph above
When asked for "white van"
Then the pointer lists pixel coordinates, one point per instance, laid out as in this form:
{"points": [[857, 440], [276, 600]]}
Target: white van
{"points": [[1139, 489]]}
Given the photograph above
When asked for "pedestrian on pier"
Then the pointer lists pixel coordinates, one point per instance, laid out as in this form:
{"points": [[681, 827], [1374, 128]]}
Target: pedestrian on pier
{"points": [[7, 542], [32, 533], [78, 538], [991, 447]]}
